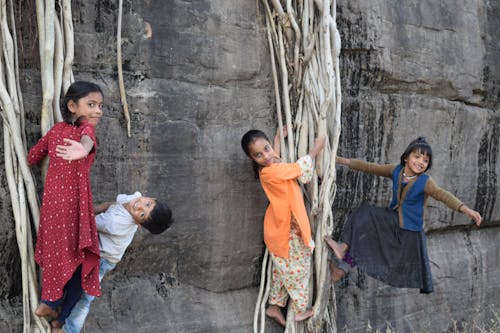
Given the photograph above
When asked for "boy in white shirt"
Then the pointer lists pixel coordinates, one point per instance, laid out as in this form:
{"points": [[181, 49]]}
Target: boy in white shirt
{"points": [[116, 224]]}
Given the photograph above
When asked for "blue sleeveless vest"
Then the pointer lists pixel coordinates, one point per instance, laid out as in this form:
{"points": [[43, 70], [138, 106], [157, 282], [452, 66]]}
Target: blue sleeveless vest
{"points": [[411, 210]]}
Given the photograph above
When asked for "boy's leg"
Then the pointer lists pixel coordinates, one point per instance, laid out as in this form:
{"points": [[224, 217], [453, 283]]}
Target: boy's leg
{"points": [[74, 322]]}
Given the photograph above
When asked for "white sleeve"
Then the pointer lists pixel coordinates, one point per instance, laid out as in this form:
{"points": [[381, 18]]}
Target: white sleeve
{"points": [[307, 168], [113, 222], [124, 198], [100, 223]]}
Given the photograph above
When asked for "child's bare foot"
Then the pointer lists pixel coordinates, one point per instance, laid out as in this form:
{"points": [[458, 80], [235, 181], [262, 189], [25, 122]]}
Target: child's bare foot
{"points": [[274, 312], [56, 324], [304, 315], [43, 310], [339, 249], [337, 273], [57, 330]]}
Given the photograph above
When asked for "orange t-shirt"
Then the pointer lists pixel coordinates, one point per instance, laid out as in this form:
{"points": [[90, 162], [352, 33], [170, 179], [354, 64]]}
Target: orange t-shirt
{"points": [[285, 199]]}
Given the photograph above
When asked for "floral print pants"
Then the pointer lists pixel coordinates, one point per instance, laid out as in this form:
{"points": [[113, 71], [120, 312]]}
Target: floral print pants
{"points": [[290, 277]]}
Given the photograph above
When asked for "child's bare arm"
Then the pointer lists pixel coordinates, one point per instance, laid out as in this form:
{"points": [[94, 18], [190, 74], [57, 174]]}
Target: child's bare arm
{"points": [[102, 207], [87, 143], [319, 144], [75, 150], [277, 141]]}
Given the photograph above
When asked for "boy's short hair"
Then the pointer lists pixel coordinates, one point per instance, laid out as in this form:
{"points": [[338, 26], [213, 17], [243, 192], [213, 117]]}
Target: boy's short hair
{"points": [[161, 219]]}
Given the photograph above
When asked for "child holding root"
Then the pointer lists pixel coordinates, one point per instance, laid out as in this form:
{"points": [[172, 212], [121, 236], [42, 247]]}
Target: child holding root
{"points": [[389, 244], [67, 248], [287, 233]]}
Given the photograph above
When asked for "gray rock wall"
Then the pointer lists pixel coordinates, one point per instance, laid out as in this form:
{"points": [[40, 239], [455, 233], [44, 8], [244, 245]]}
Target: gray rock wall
{"points": [[421, 68], [197, 76]]}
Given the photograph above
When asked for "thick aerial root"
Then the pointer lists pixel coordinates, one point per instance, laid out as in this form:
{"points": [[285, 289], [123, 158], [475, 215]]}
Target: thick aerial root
{"points": [[305, 70], [56, 56]]}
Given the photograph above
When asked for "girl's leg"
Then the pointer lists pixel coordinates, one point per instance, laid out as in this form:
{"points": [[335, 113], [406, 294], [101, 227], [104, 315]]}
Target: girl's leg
{"points": [[73, 292], [75, 321], [297, 274], [274, 312], [304, 315], [339, 249], [278, 295], [47, 309], [336, 272]]}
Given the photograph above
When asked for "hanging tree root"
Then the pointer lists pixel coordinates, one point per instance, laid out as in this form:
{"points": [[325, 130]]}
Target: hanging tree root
{"points": [[55, 45], [123, 95], [305, 69]]}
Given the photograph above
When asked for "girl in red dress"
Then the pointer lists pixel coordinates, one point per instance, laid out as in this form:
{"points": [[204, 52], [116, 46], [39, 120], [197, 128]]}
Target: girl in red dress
{"points": [[67, 248]]}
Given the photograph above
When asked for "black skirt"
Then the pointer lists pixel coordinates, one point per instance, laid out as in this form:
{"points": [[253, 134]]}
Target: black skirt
{"points": [[383, 250]]}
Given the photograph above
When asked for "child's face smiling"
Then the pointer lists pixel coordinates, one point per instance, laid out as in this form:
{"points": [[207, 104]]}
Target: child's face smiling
{"points": [[262, 152], [416, 163], [88, 107], [141, 208]]}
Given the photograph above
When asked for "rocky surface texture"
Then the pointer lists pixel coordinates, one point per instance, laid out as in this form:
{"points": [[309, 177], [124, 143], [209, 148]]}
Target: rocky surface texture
{"points": [[419, 68], [197, 76]]}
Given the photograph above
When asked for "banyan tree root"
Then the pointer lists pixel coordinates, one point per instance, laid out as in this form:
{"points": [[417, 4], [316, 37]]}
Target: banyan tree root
{"points": [[19, 178], [56, 49], [55, 36], [121, 84], [305, 69]]}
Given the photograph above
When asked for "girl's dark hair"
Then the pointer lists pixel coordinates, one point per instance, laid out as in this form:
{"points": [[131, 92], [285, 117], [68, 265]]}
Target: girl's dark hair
{"points": [[421, 146], [77, 90], [248, 139]]}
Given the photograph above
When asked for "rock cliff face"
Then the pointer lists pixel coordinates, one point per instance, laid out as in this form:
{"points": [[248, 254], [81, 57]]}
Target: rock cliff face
{"points": [[197, 76], [418, 68]]}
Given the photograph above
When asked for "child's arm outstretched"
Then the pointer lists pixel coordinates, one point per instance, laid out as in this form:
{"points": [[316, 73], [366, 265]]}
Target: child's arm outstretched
{"points": [[432, 189], [472, 214], [75, 150], [342, 160], [39, 151], [383, 170]]}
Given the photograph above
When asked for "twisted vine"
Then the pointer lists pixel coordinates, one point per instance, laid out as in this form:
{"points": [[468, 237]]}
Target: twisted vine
{"points": [[55, 36], [304, 48]]}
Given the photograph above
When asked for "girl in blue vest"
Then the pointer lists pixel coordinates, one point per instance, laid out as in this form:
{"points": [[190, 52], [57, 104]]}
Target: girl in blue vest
{"points": [[389, 244]]}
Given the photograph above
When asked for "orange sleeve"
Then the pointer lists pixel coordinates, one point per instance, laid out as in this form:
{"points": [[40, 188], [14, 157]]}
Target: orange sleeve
{"points": [[280, 172]]}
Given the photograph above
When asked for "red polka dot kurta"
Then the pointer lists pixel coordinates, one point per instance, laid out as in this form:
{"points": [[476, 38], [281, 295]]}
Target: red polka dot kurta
{"points": [[67, 236]]}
